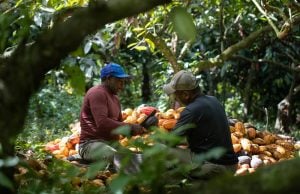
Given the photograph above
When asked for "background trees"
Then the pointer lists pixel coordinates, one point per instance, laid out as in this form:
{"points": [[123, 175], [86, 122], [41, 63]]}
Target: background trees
{"points": [[246, 53]]}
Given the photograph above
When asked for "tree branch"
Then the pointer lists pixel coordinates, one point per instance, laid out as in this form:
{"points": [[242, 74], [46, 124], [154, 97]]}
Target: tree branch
{"points": [[55, 44], [290, 69], [184, 49], [266, 15], [230, 51], [165, 50], [227, 53]]}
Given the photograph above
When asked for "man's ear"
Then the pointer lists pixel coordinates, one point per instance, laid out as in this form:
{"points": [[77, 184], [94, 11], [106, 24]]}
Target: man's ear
{"points": [[186, 95]]}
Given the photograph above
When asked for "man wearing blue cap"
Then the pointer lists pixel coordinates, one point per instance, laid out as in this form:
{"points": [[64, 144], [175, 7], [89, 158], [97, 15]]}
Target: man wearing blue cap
{"points": [[101, 114]]}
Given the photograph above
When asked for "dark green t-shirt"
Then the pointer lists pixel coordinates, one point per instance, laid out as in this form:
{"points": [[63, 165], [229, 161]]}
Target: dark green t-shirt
{"points": [[209, 128]]}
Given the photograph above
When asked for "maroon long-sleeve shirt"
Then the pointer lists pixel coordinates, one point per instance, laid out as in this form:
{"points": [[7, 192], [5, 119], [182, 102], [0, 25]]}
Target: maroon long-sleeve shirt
{"points": [[100, 114]]}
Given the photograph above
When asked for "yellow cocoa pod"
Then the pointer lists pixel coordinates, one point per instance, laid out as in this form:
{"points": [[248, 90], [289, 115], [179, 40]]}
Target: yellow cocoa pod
{"points": [[241, 172], [280, 149], [271, 147], [277, 155], [65, 151], [131, 119], [72, 152], [238, 134], [59, 156], [258, 141], [254, 148], [286, 144], [234, 139], [239, 126], [180, 109], [267, 153], [297, 145], [262, 148], [176, 115], [251, 132], [246, 144], [232, 129], [98, 182], [237, 147], [169, 124], [141, 118], [160, 121], [168, 115], [124, 142], [128, 111], [251, 170], [269, 138]]}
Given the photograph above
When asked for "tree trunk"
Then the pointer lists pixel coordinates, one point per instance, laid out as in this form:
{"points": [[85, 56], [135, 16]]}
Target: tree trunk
{"points": [[285, 107], [146, 89], [282, 119], [247, 94]]}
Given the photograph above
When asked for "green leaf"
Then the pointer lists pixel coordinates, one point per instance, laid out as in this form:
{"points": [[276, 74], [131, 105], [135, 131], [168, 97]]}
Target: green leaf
{"points": [[224, 69], [5, 181], [87, 47], [117, 185], [183, 24], [132, 45], [78, 52], [140, 34], [167, 138], [11, 161], [138, 29], [212, 154], [94, 169], [76, 79], [123, 130], [150, 44], [141, 48], [72, 171]]}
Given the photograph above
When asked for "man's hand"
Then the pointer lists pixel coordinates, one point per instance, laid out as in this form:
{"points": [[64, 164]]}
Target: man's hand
{"points": [[137, 129], [149, 122]]}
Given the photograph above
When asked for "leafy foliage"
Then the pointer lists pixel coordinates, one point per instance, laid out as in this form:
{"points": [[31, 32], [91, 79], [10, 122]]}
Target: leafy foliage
{"points": [[183, 24], [59, 177], [159, 171], [50, 114]]}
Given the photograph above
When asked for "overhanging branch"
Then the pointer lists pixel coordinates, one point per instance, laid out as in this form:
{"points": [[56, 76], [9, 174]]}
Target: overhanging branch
{"points": [[55, 44], [165, 50], [290, 69], [230, 51], [227, 53]]}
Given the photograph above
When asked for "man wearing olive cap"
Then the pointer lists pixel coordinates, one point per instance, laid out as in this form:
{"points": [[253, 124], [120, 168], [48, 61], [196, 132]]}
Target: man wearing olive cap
{"points": [[205, 125]]}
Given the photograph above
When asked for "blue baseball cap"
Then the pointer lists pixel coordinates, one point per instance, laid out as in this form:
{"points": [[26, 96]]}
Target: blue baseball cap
{"points": [[114, 70]]}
